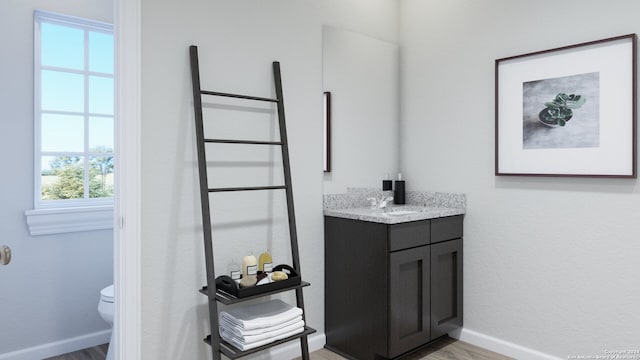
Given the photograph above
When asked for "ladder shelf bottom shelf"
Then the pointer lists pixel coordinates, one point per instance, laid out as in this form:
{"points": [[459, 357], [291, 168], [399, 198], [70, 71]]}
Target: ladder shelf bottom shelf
{"points": [[229, 299], [232, 352]]}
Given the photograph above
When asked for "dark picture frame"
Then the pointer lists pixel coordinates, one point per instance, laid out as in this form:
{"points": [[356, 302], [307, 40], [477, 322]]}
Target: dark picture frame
{"points": [[568, 111], [326, 131]]}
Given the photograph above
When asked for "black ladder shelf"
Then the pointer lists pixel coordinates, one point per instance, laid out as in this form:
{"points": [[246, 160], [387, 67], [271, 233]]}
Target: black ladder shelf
{"points": [[218, 345]]}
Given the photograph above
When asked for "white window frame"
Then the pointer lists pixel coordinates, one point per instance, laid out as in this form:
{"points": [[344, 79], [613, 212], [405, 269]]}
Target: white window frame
{"points": [[69, 215]]}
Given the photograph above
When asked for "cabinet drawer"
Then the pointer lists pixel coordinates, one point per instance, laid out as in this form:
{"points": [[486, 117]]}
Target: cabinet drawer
{"points": [[446, 228], [408, 235]]}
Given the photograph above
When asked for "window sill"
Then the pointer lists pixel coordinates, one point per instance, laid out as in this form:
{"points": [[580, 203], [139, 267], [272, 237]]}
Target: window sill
{"points": [[58, 221]]}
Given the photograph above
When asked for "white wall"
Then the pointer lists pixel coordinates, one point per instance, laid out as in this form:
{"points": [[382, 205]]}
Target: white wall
{"points": [[237, 43], [49, 292], [362, 74], [550, 264]]}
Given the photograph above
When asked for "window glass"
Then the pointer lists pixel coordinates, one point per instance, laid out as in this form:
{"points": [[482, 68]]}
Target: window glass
{"points": [[101, 177], [101, 134], [62, 91], [100, 52], [62, 46], [100, 95], [74, 115], [62, 177], [62, 133]]}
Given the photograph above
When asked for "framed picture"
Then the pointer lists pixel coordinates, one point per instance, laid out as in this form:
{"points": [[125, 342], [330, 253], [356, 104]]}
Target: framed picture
{"points": [[569, 111], [327, 130]]}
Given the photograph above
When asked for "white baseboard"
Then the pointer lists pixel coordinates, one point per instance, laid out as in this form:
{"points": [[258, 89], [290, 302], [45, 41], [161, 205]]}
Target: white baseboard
{"points": [[500, 346], [59, 347], [291, 349], [288, 350]]}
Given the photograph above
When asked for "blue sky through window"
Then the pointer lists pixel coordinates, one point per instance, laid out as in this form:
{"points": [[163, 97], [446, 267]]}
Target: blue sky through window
{"points": [[100, 133], [63, 89], [62, 133], [100, 95], [62, 46], [100, 52]]}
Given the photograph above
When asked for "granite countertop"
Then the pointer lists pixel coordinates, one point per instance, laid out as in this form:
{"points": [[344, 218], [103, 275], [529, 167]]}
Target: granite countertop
{"points": [[380, 216], [421, 205]]}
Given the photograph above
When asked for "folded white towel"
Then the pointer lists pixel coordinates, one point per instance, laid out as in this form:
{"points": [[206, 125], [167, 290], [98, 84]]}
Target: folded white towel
{"points": [[261, 315], [240, 332], [255, 344], [266, 335]]}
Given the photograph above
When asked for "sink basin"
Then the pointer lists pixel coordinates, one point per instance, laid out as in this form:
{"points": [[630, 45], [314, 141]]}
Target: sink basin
{"points": [[401, 212]]}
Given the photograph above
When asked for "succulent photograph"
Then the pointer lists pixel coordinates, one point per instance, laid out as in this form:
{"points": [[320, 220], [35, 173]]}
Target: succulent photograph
{"points": [[560, 110]]}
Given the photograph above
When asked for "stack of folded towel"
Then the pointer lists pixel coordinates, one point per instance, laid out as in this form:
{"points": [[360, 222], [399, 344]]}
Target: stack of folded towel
{"points": [[256, 325]]}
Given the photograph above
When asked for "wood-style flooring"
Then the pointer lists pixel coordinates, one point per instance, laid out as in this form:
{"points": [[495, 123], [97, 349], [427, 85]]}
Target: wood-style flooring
{"points": [[444, 349]]}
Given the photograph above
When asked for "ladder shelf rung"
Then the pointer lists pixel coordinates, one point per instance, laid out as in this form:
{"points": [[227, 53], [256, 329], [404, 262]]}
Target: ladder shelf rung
{"points": [[246, 97], [250, 142], [249, 188], [233, 353]]}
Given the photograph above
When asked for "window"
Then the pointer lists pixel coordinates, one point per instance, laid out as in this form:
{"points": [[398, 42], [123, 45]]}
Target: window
{"points": [[74, 113]]}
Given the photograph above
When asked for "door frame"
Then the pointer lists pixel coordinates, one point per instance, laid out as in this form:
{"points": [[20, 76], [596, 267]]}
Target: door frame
{"points": [[127, 324]]}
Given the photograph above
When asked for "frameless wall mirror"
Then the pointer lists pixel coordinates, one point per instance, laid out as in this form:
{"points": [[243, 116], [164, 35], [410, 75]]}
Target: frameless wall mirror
{"points": [[361, 134]]}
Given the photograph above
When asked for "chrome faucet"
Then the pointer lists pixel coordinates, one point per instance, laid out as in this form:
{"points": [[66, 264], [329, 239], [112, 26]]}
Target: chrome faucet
{"points": [[380, 203]]}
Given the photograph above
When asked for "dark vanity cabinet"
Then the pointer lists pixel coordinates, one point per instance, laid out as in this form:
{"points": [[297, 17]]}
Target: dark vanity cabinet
{"points": [[446, 275], [391, 288]]}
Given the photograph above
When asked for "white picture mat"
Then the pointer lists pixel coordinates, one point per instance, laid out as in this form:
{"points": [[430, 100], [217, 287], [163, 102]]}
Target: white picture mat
{"points": [[614, 156]]}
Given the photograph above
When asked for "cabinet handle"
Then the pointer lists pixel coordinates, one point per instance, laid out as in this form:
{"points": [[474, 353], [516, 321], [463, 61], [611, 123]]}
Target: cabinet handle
{"points": [[5, 255]]}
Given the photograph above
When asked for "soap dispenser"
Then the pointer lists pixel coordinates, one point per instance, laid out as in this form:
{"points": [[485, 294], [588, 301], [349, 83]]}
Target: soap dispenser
{"points": [[386, 183], [265, 262], [234, 270], [398, 192]]}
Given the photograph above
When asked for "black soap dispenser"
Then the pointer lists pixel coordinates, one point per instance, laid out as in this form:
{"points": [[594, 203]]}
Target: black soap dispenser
{"points": [[398, 192], [386, 183]]}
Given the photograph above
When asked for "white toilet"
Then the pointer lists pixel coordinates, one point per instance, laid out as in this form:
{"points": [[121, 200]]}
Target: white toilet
{"points": [[105, 308]]}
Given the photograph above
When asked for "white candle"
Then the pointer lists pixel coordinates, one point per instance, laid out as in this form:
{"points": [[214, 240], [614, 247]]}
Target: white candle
{"points": [[249, 266]]}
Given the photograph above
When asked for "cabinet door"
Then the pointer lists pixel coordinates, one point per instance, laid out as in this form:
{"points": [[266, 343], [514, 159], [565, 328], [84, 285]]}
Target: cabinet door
{"points": [[446, 287], [409, 325]]}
